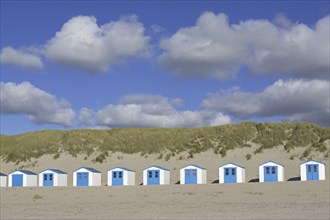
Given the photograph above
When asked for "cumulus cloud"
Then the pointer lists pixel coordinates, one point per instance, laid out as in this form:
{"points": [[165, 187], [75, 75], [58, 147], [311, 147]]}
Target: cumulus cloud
{"points": [[211, 47], [21, 58], [295, 100], [214, 47], [321, 117], [86, 117], [282, 21], [82, 43], [40, 106], [140, 110], [298, 51]]}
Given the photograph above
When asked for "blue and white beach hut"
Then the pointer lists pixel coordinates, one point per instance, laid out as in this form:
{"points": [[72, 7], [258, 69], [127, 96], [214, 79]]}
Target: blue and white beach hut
{"points": [[192, 174], [120, 176], [231, 173], [156, 175], [22, 178], [271, 172], [3, 180], [86, 176], [53, 177], [312, 170]]}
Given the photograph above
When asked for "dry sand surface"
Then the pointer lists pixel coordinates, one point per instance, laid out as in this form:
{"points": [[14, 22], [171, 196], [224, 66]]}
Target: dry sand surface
{"points": [[290, 200], [285, 200]]}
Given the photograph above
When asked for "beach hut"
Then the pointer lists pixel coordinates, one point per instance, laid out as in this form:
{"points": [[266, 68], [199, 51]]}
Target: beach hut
{"points": [[156, 175], [231, 173], [53, 177], [22, 178], [120, 176], [192, 174], [3, 180], [312, 170], [86, 176], [271, 172]]}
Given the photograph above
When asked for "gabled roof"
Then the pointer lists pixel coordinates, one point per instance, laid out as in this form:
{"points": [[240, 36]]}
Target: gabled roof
{"points": [[55, 171], [2, 174], [89, 169], [271, 162], [162, 168], [193, 166], [312, 161], [122, 168], [27, 172], [232, 164]]}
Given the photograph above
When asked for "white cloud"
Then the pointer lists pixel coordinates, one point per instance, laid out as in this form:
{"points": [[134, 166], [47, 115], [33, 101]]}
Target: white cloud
{"points": [[213, 47], [210, 48], [295, 100], [86, 117], [149, 104], [40, 106], [298, 51], [283, 21], [157, 29], [154, 111], [321, 117], [177, 102], [22, 58], [81, 43]]}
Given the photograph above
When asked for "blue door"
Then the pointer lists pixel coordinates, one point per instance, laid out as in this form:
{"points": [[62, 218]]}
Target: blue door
{"points": [[48, 179], [17, 180], [312, 171], [82, 179], [230, 175], [270, 174], [117, 178], [190, 176], [153, 177]]}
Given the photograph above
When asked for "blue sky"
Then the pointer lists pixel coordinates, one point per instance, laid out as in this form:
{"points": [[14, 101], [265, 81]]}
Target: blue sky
{"points": [[106, 64]]}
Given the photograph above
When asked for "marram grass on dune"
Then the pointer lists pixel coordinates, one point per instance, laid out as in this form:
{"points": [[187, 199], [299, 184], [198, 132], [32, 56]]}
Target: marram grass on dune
{"points": [[165, 142]]}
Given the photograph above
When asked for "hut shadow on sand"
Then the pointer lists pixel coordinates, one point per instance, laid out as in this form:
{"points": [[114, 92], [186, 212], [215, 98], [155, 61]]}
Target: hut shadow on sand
{"points": [[294, 178], [256, 180], [215, 182]]}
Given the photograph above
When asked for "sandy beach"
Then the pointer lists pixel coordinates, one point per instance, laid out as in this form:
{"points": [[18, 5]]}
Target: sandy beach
{"points": [[289, 200], [251, 200]]}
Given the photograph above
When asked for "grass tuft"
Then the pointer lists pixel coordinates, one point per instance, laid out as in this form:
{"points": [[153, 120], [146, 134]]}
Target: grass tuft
{"points": [[37, 197]]}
